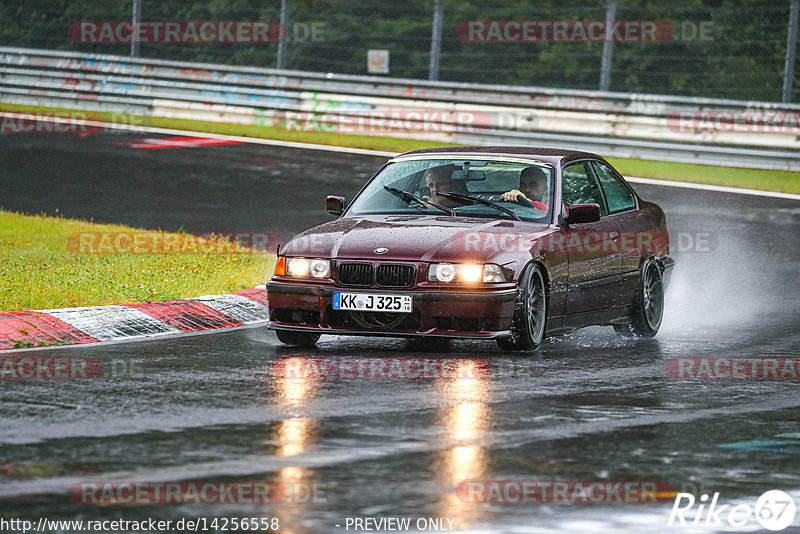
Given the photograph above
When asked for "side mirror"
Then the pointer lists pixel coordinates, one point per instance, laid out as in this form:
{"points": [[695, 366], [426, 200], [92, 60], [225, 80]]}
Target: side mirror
{"points": [[335, 205], [583, 213]]}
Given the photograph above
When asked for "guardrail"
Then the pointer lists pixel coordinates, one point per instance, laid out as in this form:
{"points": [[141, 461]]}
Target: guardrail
{"points": [[695, 130]]}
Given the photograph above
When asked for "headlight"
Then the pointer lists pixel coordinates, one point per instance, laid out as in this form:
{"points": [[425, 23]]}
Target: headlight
{"points": [[470, 273], [442, 272], [493, 274], [465, 273], [305, 268], [320, 268]]}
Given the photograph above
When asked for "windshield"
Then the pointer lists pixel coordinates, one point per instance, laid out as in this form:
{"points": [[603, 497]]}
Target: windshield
{"points": [[460, 187]]}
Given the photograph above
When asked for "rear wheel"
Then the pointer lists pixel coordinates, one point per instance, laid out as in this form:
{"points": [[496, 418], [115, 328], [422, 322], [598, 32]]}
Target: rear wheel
{"points": [[647, 309], [530, 313], [297, 339]]}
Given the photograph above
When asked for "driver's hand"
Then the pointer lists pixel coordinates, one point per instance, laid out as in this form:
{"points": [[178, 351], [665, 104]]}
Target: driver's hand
{"points": [[420, 205], [514, 195]]}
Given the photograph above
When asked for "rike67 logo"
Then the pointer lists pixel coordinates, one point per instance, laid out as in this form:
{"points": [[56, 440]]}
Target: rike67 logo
{"points": [[774, 510]]}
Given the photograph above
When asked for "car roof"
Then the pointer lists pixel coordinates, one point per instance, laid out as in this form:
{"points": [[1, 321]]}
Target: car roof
{"points": [[548, 155]]}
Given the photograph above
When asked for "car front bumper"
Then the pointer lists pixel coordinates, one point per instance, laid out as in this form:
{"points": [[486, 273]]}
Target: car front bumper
{"points": [[448, 312]]}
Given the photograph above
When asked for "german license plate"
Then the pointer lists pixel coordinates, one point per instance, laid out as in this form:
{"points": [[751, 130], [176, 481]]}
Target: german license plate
{"points": [[372, 302]]}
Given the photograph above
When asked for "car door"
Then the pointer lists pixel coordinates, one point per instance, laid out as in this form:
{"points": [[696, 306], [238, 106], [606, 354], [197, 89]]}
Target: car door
{"points": [[634, 228], [593, 253]]}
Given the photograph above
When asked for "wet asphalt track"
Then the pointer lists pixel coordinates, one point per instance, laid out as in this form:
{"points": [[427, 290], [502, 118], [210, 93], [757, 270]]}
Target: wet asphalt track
{"points": [[584, 408]]}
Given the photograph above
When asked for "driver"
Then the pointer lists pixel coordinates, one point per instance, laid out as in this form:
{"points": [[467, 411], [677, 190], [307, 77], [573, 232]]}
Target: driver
{"points": [[532, 189], [439, 180]]}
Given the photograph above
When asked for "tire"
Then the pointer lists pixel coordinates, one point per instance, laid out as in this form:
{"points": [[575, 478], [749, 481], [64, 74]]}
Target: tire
{"points": [[297, 339], [530, 313], [647, 309]]}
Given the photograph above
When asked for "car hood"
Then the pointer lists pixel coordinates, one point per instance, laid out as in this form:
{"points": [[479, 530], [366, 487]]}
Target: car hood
{"points": [[415, 238]]}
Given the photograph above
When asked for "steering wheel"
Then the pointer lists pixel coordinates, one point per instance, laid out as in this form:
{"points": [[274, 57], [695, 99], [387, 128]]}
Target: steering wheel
{"points": [[490, 196]]}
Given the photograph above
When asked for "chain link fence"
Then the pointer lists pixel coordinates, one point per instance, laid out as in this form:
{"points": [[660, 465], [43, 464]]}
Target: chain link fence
{"points": [[718, 49]]}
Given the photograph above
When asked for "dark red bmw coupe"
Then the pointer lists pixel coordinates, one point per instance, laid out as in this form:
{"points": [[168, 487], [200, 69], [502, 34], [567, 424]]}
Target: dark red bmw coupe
{"points": [[506, 243]]}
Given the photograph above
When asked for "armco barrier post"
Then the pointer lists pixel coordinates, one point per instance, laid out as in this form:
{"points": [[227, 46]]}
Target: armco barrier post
{"points": [[608, 46], [283, 43], [791, 49], [136, 16], [436, 40]]}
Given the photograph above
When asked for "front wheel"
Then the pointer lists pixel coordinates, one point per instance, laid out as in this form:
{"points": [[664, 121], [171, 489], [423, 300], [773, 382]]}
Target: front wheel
{"points": [[297, 339], [647, 309], [530, 313]]}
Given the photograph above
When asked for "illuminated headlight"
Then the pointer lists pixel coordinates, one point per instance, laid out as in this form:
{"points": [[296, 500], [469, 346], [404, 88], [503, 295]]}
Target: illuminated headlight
{"points": [[467, 273], [470, 273], [304, 267]]}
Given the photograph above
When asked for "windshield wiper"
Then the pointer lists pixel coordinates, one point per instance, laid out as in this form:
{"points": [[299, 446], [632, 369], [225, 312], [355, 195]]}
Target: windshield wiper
{"points": [[408, 197], [459, 196]]}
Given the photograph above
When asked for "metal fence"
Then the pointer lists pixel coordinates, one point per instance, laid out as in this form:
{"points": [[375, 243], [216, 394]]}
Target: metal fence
{"points": [[669, 128], [721, 49]]}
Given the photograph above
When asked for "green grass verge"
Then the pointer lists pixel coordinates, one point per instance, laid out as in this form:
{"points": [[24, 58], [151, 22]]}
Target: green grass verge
{"points": [[761, 179], [45, 264], [246, 130]]}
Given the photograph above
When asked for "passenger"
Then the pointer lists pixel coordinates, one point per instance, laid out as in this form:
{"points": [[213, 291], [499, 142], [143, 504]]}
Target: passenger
{"points": [[532, 189]]}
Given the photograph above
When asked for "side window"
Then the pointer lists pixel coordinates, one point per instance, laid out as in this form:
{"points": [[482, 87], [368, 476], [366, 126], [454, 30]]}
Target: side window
{"points": [[618, 196], [579, 186]]}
